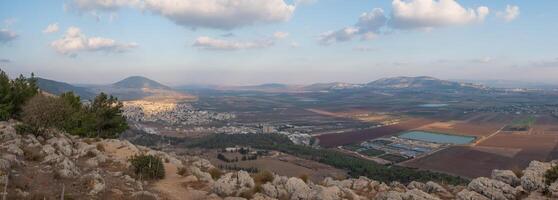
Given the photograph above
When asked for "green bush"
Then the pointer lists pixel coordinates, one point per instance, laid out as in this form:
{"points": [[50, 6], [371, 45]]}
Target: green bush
{"points": [[101, 119], [551, 175], [148, 167], [14, 94]]}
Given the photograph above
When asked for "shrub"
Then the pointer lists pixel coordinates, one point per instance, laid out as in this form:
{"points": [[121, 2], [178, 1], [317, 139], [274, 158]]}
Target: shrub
{"points": [[42, 112], [551, 175], [100, 147], [263, 177], [148, 167], [182, 171], [215, 173], [304, 177], [517, 171]]}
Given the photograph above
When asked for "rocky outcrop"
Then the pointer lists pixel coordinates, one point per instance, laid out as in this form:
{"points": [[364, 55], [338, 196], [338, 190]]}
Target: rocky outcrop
{"points": [[99, 169], [233, 184], [493, 189], [533, 176], [506, 176]]}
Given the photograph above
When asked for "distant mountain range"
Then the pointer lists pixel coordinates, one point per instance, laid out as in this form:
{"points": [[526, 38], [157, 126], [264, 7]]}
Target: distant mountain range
{"points": [[57, 88], [131, 88], [138, 87], [422, 83]]}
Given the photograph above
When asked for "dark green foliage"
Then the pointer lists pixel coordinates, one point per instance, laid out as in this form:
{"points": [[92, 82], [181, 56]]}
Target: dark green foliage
{"points": [[102, 118], [14, 93], [148, 167], [107, 114], [551, 175], [355, 166]]}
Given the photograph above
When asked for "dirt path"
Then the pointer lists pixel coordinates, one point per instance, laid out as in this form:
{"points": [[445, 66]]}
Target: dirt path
{"points": [[172, 186]]}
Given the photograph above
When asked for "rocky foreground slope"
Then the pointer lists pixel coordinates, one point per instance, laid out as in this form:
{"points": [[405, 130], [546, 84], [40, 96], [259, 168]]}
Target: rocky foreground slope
{"points": [[55, 164]]}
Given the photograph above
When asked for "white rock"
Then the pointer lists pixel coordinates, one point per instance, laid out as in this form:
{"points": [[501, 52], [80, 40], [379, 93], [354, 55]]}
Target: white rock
{"points": [[95, 183], [416, 194], [533, 176], [328, 193], [506, 176], [233, 184], [297, 188], [493, 189], [470, 195]]}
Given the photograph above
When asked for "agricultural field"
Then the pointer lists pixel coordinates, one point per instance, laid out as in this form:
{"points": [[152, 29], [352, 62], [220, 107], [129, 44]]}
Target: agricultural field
{"points": [[504, 149]]}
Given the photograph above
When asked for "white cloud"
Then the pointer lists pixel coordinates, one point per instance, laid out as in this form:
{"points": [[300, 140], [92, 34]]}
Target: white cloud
{"points": [[372, 21], [345, 34], [51, 28], [209, 43], [511, 13], [420, 14], [7, 36], [218, 14], [280, 35], [74, 41], [368, 26], [221, 14], [407, 14]]}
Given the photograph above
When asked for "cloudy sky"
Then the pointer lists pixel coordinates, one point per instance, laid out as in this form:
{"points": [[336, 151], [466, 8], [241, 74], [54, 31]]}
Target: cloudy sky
{"points": [[289, 41]]}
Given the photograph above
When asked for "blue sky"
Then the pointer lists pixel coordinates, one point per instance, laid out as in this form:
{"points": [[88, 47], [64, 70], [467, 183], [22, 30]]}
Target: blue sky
{"points": [[298, 42]]}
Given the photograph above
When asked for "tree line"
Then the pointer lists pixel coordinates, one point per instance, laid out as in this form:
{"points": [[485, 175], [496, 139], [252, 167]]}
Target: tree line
{"points": [[22, 100]]}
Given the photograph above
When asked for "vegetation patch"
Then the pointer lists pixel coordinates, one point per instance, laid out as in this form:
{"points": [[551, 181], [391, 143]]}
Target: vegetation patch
{"points": [[148, 167], [551, 175], [372, 152], [356, 166], [393, 158], [522, 124]]}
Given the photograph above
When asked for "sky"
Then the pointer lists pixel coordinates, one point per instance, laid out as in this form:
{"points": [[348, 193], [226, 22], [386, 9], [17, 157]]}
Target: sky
{"points": [[243, 42]]}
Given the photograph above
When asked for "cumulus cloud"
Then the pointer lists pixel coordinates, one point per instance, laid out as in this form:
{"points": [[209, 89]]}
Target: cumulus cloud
{"points": [[74, 41], [371, 21], [280, 35], [221, 14], [407, 14], [7, 36], [51, 28], [208, 43], [218, 14], [417, 14], [510, 14], [367, 27], [341, 35]]}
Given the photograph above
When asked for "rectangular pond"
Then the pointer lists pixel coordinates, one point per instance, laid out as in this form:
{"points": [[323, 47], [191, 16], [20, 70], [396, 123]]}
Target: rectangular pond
{"points": [[437, 137]]}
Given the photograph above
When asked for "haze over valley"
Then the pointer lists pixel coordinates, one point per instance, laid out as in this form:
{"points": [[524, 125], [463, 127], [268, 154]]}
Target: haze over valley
{"points": [[279, 99]]}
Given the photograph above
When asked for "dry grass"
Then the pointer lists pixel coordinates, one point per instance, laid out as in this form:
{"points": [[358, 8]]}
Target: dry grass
{"points": [[100, 147], [215, 173], [304, 177], [263, 177]]}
